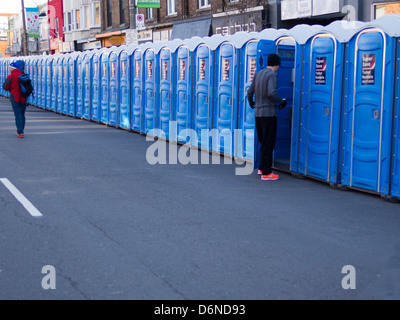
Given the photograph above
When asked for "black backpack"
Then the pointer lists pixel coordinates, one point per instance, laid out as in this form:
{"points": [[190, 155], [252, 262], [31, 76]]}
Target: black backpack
{"points": [[26, 85]]}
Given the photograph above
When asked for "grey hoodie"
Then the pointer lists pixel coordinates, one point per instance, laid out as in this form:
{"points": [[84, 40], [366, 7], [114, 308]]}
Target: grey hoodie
{"points": [[264, 87]]}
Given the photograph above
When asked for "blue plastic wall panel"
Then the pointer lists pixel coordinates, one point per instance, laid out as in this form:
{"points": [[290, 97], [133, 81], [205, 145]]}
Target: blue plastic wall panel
{"points": [[87, 86], [43, 84], [60, 80], [150, 96], [301, 78], [124, 90], [183, 95], [37, 80], [166, 91], [79, 86], [244, 146], [114, 87], [48, 83], [225, 108], [321, 109], [65, 97], [368, 112], [137, 76], [104, 87], [203, 95], [72, 86], [395, 185], [96, 88], [54, 86]]}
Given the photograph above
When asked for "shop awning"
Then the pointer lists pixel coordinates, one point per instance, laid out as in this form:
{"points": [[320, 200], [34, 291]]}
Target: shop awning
{"points": [[189, 29]]}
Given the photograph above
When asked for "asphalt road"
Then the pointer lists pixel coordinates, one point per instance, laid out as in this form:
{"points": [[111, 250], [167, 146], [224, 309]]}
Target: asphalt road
{"points": [[114, 226]]}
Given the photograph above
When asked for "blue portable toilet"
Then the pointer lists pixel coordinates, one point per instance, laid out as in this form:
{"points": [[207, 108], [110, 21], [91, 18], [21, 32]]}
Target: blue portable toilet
{"points": [[183, 91], [87, 85], [138, 73], [368, 109], [150, 97], [319, 127], [54, 84], [49, 82], [112, 116], [43, 84], [61, 78], [72, 84], [79, 85], [65, 85], [104, 86], [124, 91], [246, 44], [202, 83], [96, 87], [36, 80], [225, 97], [166, 90]]}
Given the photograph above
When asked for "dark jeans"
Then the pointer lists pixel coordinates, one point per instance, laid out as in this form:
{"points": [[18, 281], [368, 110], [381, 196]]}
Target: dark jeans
{"points": [[266, 130], [19, 112]]}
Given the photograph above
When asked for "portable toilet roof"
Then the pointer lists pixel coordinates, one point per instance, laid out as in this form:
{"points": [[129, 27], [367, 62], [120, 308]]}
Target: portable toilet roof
{"points": [[239, 39], [214, 41], [344, 30], [390, 24], [270, 34], [194, 42], [302, 32]]}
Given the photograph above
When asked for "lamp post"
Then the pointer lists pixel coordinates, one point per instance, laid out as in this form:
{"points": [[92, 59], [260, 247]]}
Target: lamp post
{"points": [[24, 34]]}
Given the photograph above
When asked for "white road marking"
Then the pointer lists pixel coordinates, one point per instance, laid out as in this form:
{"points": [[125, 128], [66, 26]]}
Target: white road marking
{"points": [[21, 198]]}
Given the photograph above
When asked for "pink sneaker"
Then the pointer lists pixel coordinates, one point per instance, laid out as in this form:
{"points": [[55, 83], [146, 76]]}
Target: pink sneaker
{"points": [[270, 177], [259, 172]]}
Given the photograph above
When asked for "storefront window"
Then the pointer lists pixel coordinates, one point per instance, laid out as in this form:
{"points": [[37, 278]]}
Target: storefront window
{"points": [[386, 8]]}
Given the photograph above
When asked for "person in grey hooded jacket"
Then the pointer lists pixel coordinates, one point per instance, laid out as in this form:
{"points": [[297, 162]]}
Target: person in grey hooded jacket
{"points": [[264, 88]]}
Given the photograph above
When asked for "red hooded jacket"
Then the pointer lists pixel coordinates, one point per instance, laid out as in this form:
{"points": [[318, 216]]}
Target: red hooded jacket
{"points": [[12, 84]]}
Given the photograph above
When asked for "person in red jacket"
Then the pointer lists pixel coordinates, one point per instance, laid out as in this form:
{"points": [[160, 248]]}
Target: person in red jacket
{"points": [[18, 102]]}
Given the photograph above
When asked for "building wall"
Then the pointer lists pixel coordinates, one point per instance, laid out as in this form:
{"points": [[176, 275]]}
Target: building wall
{"points": [[55, 9]]}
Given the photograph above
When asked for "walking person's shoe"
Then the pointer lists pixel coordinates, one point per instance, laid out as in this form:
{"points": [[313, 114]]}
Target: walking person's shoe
{"points": [[259, 172], [270, 177], [20, 135]]}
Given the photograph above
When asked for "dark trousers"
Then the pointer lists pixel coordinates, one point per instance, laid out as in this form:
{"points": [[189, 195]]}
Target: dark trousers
{"points": [[19, 112], [266, 130]]}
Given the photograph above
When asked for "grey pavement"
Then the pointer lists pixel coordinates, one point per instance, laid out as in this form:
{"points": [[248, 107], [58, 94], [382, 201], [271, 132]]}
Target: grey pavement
{"points": [[116, 227]]}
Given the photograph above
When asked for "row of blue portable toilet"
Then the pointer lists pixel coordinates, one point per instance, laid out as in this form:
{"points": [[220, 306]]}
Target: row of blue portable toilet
{"points": [[341, 124]]}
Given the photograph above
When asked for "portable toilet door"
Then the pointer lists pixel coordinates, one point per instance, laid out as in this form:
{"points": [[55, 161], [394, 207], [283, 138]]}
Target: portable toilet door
{"points": [[321, 108], [244, 146], [203, 94], [54, 84], [124, 90], [60, 79], [368, 111], [65, 89], [183, 92], [96, 88], [150, 87], [137, 76], [43, 85], [49, 82], [79, 86], [38, 79], [87, 76], [72, 85], [225, 103], [104, 87], [114, 87], [166, 90]]}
